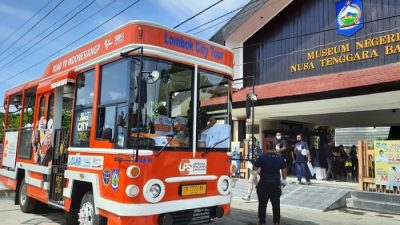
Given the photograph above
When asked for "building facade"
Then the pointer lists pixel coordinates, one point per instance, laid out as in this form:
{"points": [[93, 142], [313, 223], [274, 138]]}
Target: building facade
{"points": [[330, 63]]}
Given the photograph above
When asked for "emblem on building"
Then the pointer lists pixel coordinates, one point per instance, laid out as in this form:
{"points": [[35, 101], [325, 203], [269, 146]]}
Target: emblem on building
{"points": [[349, 17]]}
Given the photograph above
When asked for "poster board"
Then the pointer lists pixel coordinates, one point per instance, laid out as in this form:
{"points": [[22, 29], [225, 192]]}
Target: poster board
{"points": [[387, 163], [10, 149]]}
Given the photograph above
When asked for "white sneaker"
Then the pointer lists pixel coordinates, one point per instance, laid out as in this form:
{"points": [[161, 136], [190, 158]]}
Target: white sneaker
{"points": [[246, 198]]}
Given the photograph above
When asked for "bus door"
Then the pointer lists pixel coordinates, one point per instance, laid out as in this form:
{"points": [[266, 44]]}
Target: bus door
{"points": [[60, 111]]}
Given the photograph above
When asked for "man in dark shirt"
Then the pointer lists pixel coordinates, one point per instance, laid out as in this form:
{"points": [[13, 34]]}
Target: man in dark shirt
{"points": [[280, 144], [269, 186], [302, 153], [329, 148]]}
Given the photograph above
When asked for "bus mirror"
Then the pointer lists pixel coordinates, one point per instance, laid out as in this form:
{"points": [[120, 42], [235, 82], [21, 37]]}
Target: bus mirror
{"points": [[153, 77], [165, 77]]}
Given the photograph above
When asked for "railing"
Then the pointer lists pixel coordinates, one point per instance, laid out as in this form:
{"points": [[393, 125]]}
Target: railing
{"points": [[366, 171], [59, 164]]}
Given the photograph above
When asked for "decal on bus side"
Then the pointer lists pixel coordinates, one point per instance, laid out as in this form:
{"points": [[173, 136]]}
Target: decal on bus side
{"points": [[85, 161]]}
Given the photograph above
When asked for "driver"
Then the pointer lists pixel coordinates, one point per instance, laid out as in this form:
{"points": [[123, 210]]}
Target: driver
{"points": [[163, 125]]}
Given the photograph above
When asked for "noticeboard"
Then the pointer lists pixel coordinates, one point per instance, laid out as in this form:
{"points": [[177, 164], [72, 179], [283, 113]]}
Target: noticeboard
{"points": [[387, 163]]}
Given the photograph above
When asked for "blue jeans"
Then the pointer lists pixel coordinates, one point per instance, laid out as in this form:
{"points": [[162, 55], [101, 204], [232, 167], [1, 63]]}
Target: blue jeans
{"points": [[302, 169]]}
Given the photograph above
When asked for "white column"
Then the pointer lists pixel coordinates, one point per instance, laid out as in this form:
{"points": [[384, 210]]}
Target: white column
{"points": [[237, 61]]}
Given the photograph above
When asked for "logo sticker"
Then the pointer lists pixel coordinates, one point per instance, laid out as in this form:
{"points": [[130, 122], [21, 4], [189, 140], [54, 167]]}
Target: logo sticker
{"points": [[193, 167], [115, 179], [106, 176], [349, 17]]}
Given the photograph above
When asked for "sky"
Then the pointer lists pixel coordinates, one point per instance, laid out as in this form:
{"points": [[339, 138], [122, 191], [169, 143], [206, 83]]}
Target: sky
{"points": [[23, 28]]}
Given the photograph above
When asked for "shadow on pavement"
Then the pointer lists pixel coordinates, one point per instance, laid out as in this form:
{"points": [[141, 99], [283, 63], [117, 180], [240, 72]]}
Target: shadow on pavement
{"points": [[49, 216], [249, 217]]}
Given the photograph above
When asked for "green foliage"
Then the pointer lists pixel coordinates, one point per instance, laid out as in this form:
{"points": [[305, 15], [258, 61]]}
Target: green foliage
{"points": [[66, 118]]}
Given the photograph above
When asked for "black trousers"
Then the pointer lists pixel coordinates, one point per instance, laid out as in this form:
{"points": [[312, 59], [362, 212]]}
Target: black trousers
{"points": [[272, 192], [330, 171]]}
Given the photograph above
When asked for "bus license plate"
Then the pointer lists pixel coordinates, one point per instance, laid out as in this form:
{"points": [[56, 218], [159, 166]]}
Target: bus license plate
{"points": [[197, 189]]}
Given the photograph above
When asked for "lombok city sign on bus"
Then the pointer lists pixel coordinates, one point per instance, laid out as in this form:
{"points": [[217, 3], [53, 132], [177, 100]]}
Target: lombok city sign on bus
{"points": [[387, 163], [139, 34], [347, 52]]}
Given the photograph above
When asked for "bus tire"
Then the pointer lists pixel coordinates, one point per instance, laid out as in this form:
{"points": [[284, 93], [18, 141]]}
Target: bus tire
{"points": [[26, 203], [86, 213]]}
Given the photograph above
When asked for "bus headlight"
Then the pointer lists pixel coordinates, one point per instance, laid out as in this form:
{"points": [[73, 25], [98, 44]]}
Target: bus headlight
{"points": [[132, 190], [154, 190], [224, 185]]}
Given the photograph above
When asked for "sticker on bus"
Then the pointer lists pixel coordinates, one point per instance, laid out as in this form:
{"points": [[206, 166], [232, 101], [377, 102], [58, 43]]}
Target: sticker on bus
{"points": [[193, 167], [86, 161]]}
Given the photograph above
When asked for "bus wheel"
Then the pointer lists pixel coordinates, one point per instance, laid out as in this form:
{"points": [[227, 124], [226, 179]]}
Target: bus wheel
{"points": [[86, 213], [26, 203]]}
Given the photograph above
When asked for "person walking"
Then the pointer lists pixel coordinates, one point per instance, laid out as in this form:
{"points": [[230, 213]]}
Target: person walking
{"points": [[253, 174], [302, 153], [329, 149], [354, 161], [270, 185]]}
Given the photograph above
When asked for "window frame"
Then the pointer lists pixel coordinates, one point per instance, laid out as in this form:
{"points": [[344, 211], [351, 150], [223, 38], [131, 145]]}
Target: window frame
{"points": [[190, 67], [116, 103], [80, 108], [228, 104]]}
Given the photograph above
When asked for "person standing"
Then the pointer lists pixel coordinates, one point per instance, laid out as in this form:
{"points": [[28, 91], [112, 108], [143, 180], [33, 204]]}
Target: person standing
{"points": [[253, 174], [302, 153], [270, 185], [281, 148], [280, 144], [354, 161], [329, 149]]}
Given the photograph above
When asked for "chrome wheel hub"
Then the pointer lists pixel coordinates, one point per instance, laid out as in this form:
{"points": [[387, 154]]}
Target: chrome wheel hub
{"points": [[86, 214], [23, 195]]}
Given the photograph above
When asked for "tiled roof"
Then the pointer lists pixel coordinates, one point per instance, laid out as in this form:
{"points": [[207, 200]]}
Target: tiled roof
{"points": [[325, 83]]}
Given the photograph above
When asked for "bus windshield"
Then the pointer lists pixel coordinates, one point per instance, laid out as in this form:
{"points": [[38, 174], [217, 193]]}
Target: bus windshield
{"points": [[163, 115]]}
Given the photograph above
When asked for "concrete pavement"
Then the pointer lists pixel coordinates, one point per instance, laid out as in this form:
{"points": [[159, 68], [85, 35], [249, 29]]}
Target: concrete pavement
{"points": [[243, 213]]}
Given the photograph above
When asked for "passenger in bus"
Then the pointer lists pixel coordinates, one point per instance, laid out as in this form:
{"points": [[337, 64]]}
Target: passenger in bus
{"points": [[181, 129], [163, 127]]}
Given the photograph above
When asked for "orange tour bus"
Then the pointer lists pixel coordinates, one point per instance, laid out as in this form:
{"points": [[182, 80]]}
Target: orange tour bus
{"points": [[131, 128]]}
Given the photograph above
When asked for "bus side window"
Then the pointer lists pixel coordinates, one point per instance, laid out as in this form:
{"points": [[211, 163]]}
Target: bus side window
{"points": [[50, 112], [106, 122], [83, 109]]}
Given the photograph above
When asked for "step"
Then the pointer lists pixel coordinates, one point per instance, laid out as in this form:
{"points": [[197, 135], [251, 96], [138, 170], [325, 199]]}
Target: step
{"points": [[377, 206], [379, 197]]}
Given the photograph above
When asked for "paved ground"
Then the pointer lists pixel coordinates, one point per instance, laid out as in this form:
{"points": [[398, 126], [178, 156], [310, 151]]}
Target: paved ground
{"points": [[243, 213]]}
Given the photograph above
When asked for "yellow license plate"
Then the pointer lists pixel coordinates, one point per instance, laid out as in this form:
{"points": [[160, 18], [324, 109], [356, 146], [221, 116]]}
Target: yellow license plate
{"points": [[197, 189]]}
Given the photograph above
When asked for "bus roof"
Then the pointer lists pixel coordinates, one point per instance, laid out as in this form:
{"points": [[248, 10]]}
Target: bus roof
{"points": [[126, 37], [138, 33]]}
